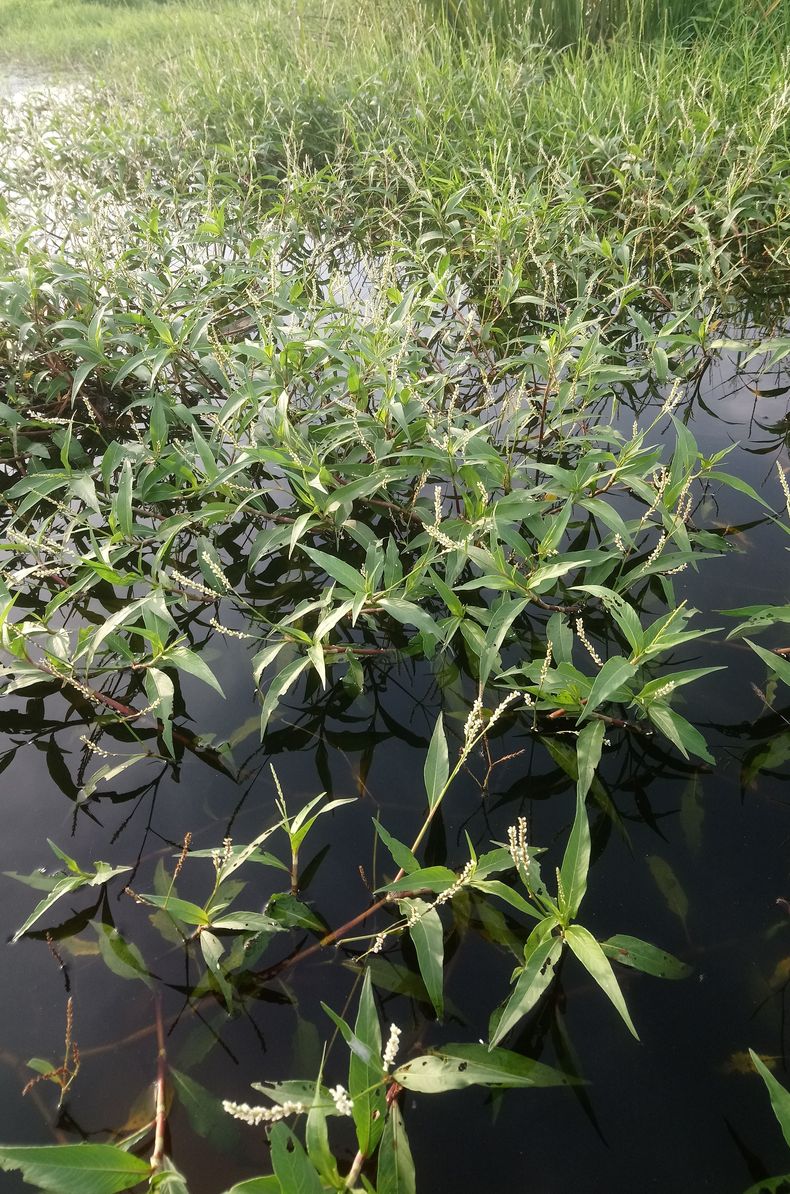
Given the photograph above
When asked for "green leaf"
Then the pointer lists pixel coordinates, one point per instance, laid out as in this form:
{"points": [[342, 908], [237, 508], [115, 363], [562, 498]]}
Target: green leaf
{"points": [[630, 951], [775, 662], [109, 771], [427, 937], [780, 1098], [76, 1168], [771, 1185], [287, 910], [395, 1174], [317, 1140], [278, 688], [429, 878], [437, 764], [364, 1075], [120, 956], [189, 661], [190, 914], [738, 484], [496, 887], [589, 745], [61, 888], [595, 962], [536, 976], [758, 617], [401, 854], [501, 621], [213, 949], [410, 614], [680, 732], [291, 1165], [576, 860], [339, 570], [169, 1179], [455, 1066], [122, 502], [624, 614], [257, 1185], [612, 676], [160, 691], [247, 922], [205, 1112]]}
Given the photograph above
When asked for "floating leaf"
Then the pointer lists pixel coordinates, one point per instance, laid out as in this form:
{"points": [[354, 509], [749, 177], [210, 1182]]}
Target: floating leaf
{"points": [[630, 951], [205, 1112], [455, 1066], [668, 884]]}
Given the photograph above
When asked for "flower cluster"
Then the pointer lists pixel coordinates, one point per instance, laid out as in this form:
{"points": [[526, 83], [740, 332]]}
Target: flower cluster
{"points": [[261, 1115], [461, 881], [343, 1104], [517, 845], [391, 1048], [585, 642]]}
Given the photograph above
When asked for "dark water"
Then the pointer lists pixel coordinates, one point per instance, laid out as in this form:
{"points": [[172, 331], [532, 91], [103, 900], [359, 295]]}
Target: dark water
{"points": [[671, 1113]]}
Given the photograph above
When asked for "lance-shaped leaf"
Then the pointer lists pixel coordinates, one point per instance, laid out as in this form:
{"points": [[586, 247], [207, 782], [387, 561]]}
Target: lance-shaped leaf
{"points": [[395, 1174], [291, 1164], [455, 1066], [278, 688], [258, 1185], [531, 983], [72, 882], [185, 910], [595, 962], [780, 1098], [366, 1069], [427, 934], [437, 764], [339, 570], [576, 860], [775, 662], [639, 955], [401, 854], [76, 1168], [613, 675]]}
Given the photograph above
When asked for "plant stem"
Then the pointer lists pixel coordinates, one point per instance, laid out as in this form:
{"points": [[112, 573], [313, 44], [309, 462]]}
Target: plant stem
{"points": [[158, 1155]]}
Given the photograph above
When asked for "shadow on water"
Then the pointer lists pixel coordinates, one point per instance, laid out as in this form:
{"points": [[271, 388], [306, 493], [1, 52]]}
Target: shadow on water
{"points": [[674, 845]]}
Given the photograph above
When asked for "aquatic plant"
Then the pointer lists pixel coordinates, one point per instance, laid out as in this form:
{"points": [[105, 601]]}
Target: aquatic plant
{"points": [[336, 352]]}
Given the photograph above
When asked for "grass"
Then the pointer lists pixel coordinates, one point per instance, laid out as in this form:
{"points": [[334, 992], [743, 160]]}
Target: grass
{"points": [[661, 161]]}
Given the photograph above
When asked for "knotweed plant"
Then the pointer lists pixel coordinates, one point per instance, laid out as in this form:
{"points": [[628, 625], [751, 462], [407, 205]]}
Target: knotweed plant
{"points": [[336, 342]]}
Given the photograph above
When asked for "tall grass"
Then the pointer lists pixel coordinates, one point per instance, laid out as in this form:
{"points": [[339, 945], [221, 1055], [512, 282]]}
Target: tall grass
{"points": [[618, 160]]}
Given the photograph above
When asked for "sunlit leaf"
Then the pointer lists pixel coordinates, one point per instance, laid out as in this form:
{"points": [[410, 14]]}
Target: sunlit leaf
{"points": [[458, 1065], [395, 1174], [427, 934], [595, 962], [437, 764], [537, 975], [630, 951], [76, 1168]]}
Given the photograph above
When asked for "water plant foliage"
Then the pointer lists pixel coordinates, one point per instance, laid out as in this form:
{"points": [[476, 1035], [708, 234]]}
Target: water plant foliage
{"points": [[337, 355]]}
